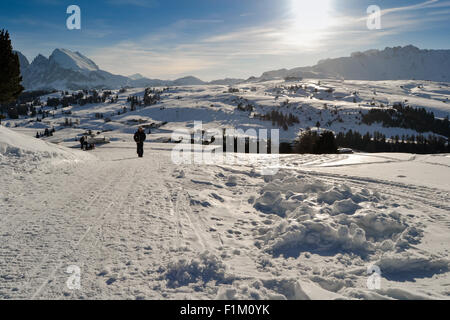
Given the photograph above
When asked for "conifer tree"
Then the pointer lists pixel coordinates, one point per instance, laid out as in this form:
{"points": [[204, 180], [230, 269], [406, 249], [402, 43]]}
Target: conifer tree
{"points": [[10, 78]]}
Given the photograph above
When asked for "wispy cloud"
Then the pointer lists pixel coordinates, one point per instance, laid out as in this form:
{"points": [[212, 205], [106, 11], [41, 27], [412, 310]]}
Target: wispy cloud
{"points": [[172, 52], [33, 22], [139, 3], [400, 20]]}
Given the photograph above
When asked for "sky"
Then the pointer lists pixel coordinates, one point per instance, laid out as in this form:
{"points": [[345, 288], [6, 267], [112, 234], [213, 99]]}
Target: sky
{"points": [[215, 39]]}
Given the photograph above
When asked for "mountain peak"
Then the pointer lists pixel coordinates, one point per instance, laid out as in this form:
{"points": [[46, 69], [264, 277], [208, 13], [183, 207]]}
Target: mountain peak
{"points": [[188, 80], [136, 76], [40, 59], [24, 63], [67, 59]]}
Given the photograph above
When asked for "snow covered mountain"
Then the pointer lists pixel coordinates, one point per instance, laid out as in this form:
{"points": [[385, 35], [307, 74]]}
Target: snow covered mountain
{"points": [[73, 60], [398, 63], [136, 76], [65, 69]]}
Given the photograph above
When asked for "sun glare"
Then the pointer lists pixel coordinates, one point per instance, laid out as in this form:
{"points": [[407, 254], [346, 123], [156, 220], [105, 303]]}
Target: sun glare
{"points": [[308, 22], [311, 15]]}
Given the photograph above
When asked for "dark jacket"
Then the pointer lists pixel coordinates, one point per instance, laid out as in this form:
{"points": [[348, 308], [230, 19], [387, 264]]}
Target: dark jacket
{"points": [[140, 137]]}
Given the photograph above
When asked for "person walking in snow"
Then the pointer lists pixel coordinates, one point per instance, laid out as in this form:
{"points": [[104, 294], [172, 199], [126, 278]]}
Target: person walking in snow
{"points": [[82, 140], [139, 138]]}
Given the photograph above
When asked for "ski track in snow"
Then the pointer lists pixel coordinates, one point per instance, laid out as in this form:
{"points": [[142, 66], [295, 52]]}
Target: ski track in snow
{"points": [[139, 229], [149, 229]]}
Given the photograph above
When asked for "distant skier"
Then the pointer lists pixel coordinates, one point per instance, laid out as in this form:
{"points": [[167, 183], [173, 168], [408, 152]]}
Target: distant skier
{"points": [[140, 137]]}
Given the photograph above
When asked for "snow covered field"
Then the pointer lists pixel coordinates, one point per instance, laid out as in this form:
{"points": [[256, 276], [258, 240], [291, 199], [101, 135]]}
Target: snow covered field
{"points": [[335, 104], [150, 229]]}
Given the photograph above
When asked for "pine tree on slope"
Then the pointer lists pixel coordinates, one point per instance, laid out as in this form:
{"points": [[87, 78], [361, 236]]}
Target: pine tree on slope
{"points": [[10, 78]]}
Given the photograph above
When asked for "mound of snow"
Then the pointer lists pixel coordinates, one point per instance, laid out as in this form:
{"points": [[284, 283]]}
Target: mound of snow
{"points": [[275, 289], [291, 238], [326, 219], [379, 225], [272, 202], [203, 269], [346, 206], [16, 145], [408, 267]]}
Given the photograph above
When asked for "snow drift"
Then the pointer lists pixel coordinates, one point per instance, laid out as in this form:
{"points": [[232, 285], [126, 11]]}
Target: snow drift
{"points": [[18, 146], [329, 219]]}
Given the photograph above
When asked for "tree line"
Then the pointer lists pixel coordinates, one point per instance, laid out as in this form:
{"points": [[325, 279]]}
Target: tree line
{"points": [[401, 116], [378, 142], [279, 119]]}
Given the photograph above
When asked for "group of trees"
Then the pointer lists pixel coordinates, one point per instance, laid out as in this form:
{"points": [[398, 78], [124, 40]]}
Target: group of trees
{"points": [[326, 142], [378, 142], [316, 143], [233, 144], [418, 119], [69, 123], [81, 98], [279, 119], [26, 104], [46, 133], [309, 142], [151, 96], [134, 101]]}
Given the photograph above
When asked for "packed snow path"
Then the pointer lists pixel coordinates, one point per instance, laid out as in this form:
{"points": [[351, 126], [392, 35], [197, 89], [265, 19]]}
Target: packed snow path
{"points": [[109, 214], [148, 229]]}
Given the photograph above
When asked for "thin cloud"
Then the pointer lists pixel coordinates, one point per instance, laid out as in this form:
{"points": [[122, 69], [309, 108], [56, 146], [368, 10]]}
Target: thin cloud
{"points": [[430, 4], [138, 3], [173, 51]]}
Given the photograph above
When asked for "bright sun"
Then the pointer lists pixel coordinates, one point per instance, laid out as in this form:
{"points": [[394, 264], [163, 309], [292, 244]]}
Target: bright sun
{"points": [[309, 21], [311, 15]]}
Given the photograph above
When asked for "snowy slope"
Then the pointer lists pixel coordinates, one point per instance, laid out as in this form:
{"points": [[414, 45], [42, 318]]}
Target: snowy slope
{"points": [[67, 59], [338, 111], [16, 146]]}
